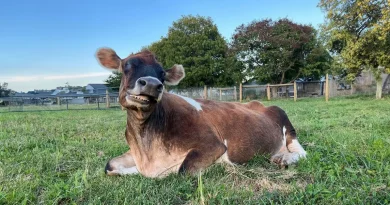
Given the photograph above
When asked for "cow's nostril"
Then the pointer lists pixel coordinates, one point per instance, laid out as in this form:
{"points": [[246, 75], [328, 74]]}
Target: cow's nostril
{"points": [[142, 82], [160, 88]]}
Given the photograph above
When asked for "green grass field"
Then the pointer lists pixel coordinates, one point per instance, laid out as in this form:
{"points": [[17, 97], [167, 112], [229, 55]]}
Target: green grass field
{"points": [[58, 157], [28, 108]]}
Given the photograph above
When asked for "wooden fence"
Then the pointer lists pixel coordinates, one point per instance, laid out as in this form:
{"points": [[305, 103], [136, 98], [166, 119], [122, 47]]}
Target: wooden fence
{"points": [[268, 91], [239, 93]]}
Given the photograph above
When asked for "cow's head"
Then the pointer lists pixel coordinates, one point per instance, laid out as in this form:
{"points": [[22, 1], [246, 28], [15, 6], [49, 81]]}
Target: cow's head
{"points": [[143, 79]]}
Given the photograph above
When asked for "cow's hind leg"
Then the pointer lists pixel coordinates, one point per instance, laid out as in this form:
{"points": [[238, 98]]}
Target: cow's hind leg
{"points": [[291, 151], [201, 158], [121, 165]]}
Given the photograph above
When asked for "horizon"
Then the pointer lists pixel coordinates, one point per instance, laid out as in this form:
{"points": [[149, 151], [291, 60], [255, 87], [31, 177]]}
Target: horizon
{"points": [[48, 44]]}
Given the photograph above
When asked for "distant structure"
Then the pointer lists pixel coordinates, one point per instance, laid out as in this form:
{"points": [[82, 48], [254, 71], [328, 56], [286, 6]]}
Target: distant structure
{"points": [[92, 93], [96, 88]]}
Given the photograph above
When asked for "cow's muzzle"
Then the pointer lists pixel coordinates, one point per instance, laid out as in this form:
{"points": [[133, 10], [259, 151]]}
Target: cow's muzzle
{"points": [[147, 90]]}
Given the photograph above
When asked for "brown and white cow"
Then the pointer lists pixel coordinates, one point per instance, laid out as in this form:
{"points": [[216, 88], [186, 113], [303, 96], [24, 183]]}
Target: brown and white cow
{"points": [[168, 133]]}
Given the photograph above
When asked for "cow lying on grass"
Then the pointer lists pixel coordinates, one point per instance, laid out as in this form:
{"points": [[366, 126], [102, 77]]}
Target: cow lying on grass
{"points": [[168, 133]]}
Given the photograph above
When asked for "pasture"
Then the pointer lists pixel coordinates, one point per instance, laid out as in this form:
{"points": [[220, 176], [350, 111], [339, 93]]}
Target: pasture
{"points": [[58, 157]]}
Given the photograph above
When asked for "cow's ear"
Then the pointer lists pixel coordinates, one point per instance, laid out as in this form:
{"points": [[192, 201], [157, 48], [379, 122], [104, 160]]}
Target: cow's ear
{"points": [[108, 58], [174, 75]]}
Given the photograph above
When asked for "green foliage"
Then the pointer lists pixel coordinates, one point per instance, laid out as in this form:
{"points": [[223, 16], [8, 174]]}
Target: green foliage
{"points": [[76, 88], [358, 31], [114, 80], [4, 91], [279, 51], [194, 42], [59, 158]]}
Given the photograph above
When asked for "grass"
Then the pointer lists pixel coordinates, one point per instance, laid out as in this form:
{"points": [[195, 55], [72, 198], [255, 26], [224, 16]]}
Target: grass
{"points": [[58, 158], [23, 108]]}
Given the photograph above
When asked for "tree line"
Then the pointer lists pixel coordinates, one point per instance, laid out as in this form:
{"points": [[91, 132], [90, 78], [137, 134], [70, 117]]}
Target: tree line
{"points": [[264, 51], [4, 91], [354, 37]]}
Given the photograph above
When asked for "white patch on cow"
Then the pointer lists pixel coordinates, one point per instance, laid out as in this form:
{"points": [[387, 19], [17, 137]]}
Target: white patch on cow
{"points": [[284, 136], [224, 158], [294, 146], [192, 102], [283, 147], [124, 171], [290, 154]]}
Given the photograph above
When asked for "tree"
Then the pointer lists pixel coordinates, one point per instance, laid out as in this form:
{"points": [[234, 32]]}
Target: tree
{"points": [[359, 32], [195, 42], [4, 91], [114, 80], [279, 51]]}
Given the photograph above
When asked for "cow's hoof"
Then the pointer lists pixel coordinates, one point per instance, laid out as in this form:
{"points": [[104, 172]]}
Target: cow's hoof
{"points": [[287, 158]]}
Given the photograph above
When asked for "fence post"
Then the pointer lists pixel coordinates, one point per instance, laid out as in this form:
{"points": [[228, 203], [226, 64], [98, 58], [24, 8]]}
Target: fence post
{"points": [[205, 92], [58, 101], [220, 94], [287, 91], [9, 106], [107, 99], [295, 91], [235, 93], [352, 91], [327, 88], [268, 92], [98, 103], [240, 92], [67, 104]]}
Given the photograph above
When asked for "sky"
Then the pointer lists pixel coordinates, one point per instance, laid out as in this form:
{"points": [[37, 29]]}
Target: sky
{"points": [[45, 44]]}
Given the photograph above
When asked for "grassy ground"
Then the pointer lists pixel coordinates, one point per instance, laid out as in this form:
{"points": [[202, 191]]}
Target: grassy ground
{"points": [[23, 108], [58, 158]]}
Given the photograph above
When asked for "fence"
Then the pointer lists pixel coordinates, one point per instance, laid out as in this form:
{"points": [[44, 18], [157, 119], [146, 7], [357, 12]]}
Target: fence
{"points": [[295, 90], [108, 99], [63, 102], [220, 94], [242, 92]]}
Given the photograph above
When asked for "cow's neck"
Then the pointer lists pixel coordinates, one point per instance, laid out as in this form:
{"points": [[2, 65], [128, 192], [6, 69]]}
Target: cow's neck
{"points": [[144, 127]]}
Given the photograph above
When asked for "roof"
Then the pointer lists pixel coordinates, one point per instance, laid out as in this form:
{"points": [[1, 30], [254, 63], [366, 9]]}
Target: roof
{"points": [[33, 94], [98, 86], [68, 94]]}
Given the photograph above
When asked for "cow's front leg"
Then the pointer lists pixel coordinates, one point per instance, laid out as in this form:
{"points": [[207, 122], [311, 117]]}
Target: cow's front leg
{"points": [[200, 158], [121, 165]]}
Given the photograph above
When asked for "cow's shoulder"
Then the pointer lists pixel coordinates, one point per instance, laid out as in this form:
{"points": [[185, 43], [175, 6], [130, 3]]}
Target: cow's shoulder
{"points": [[178, 102]]}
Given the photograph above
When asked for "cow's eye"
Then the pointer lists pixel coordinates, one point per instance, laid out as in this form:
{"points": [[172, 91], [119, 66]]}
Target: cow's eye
{"points": [[162, 73]]}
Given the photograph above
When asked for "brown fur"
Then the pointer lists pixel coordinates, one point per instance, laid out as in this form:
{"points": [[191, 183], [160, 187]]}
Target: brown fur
{"points": [[172, 136], [175, 73], [190, 140], [278, 116], [108, 58], [146, 56]]}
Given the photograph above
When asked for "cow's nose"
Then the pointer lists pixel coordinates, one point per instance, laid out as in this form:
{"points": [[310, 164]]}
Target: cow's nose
{"points": [[150, 83]]}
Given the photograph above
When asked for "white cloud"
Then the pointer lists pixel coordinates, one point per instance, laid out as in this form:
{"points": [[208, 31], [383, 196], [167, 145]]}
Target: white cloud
{"points": [[88, 75], [10, 79], [18, 79], [27, 83]]}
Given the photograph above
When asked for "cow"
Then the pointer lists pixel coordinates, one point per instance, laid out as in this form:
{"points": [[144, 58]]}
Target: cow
{"points": [[169, 133]]}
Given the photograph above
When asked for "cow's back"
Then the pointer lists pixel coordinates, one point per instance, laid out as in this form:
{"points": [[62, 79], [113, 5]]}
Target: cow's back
{"points": [[246, 129]]}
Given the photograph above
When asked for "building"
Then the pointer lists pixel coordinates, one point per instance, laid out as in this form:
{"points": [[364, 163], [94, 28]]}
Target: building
{"points": [[96, 88]]}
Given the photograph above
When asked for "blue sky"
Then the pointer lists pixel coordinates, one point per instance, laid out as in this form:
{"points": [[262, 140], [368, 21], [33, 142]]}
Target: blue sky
{"points": [[44, 44]]}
